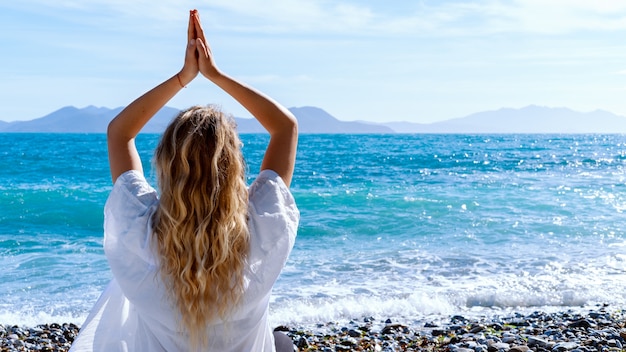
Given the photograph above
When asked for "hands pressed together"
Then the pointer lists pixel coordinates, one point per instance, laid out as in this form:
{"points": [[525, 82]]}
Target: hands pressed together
{"points": [[198, 56]]}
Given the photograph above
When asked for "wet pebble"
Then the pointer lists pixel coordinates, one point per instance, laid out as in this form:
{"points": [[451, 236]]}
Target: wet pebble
{"points": [[599, 330], [45, 337]]}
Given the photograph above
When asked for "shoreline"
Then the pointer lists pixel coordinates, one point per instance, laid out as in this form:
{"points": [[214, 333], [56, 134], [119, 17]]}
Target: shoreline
{"points": [[599, 329]]}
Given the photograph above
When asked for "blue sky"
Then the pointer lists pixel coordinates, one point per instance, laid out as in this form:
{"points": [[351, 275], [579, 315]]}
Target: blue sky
{"points": [[418, 61]]}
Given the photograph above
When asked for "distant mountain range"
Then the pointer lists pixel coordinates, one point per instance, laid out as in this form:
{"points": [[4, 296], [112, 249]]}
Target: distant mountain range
{"points": [[530, 119], [95, 120]]}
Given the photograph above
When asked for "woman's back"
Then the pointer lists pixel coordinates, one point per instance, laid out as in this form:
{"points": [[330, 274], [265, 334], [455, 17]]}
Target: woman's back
{"points": [[135, 313]]}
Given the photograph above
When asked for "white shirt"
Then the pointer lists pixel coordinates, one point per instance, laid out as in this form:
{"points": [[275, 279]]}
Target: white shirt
{"points": [[134, 312]]}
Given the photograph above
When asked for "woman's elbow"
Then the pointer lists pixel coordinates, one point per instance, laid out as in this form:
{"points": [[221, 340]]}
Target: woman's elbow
{"points": [[116, 130], [110, 129], [292, 124]]}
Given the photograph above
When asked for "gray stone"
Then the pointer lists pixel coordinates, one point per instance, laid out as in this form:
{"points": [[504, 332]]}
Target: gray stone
{"points": [[497, 327], [614, 343], [536, 341], [350, 342], [519, 349], [565, 346], [499, 346], [581, 323], [477, 329], [438, 332], [471, 344], [302, 343], [508, 339], [354, 333]]}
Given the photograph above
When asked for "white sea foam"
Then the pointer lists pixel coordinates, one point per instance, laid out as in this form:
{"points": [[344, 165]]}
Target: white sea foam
{"points": [[484, 289], [427, 302], [308, 312], [34, 319]]}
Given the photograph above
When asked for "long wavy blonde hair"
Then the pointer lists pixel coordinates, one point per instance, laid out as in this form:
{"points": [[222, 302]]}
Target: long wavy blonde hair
{"points": [[201, 222]]}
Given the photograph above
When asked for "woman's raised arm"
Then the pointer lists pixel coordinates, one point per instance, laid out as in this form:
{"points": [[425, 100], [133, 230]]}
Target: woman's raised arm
{"points": [[282, 126], [123, 129]]}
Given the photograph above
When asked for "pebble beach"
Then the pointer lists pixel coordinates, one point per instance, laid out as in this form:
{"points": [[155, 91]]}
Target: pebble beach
{"points": [[601, 329], [597, 330]]}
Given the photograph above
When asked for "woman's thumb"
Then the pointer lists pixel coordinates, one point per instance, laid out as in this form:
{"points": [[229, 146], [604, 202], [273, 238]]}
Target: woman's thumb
{"points": [[201, 47]]}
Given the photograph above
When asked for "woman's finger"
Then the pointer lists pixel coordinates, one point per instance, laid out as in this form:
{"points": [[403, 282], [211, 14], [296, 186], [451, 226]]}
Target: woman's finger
{"points": [[202, 48], [197, 26], [191, 28]]}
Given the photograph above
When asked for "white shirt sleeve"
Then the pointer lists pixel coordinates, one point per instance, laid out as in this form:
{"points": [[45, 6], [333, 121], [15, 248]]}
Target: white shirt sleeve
{"points": [[273, 224], [127, 229]]}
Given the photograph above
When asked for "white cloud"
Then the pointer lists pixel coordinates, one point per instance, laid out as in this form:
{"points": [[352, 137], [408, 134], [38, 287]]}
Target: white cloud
{"points": [[319, 17], [435, 18], [556, 16]]}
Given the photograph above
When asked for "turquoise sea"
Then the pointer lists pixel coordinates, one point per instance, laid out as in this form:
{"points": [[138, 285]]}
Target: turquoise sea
{"points": [[393, 226]]}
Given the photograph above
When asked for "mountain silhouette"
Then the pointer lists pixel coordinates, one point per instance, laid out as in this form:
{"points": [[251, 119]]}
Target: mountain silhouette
{"points": [[530, 119], [93, 119]]}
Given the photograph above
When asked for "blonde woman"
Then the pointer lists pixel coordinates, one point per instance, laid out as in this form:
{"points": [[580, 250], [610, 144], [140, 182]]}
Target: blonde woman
{"points": [[194, 266]]}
